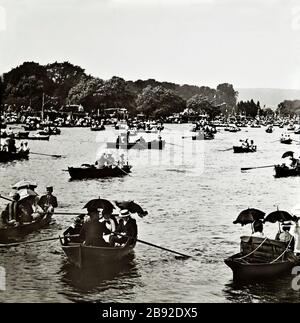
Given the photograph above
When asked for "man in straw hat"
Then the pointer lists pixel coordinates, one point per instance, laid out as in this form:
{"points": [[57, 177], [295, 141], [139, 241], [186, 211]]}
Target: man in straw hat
{"points": [[126, 231]]}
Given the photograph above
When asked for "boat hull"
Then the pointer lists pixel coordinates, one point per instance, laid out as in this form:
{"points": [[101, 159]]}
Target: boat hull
{"points": [[238, 149], [6, 156], [93, 172], [243, 271], [283, 171], [88, 256], [14, 234]]}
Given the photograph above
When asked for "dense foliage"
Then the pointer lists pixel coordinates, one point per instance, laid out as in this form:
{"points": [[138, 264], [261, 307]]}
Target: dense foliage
{"points": [[62, 84]]}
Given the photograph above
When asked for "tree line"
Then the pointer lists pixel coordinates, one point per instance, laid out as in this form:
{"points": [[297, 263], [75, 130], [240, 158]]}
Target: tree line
{"points": [[60, 84]]}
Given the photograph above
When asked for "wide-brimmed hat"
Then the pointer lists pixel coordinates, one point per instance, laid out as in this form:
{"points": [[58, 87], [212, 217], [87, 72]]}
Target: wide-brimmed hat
{"points": [[92, 210], [124, 213], [286, 224], [26, 193]]}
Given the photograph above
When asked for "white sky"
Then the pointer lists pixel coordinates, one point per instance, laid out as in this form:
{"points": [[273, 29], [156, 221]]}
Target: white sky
{"points": [[249, 43]]}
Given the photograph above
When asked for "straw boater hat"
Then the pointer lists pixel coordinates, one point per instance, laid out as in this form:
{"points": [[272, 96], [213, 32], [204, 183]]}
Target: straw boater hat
{"points": [[124, 213]]}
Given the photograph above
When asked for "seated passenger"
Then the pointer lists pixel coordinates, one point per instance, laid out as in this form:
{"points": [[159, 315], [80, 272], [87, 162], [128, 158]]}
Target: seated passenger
{"points": [[93, 230], [285, 235], [258, 229]]}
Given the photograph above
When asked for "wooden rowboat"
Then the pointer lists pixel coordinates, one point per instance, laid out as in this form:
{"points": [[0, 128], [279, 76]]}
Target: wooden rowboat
{"points": [[261, 259], [93, 172], [284, 171], [286, 141], [240, 149], [14, 234], [89, 256], [6, 156]]}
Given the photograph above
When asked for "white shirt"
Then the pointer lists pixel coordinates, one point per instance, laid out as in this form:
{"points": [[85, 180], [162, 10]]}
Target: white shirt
{"points": [[258, 234]]}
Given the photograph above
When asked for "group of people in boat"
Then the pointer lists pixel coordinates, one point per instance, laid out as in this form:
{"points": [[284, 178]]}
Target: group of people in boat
{"points": [[10, 146], [109, 230], [107, 160], [283, 235], [248, 145], [26, 206]]}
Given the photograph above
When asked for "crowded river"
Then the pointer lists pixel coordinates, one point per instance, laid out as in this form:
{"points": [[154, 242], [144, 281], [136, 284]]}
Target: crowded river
{"points": [[192, 190]]}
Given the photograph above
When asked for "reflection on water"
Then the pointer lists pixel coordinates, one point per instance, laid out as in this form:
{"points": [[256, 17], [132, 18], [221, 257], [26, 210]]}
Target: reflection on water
{"points": [[278, 290]]}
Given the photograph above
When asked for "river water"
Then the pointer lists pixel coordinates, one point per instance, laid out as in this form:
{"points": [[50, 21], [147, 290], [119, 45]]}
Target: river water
{"points": [[192, 191]]}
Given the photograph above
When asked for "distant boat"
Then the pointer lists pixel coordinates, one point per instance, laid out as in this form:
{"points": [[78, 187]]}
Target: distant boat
{"points": [[93, 172], [241, 149], [285, 171], [6, 156], [14, 234]]}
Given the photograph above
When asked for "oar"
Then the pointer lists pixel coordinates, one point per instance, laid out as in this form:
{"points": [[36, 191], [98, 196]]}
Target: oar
{"points": [[169, 250], [185, 137], [35, 241], [169, 143], [248, 168], [67, 213], [155, 246], [226, 149], [56, 156], [5, 198]]}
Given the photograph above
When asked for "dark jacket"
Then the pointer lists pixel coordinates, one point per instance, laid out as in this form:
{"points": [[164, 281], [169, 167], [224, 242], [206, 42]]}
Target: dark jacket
{"points": [[47, 200], [12, 211], [92, 234], [130, 230]]}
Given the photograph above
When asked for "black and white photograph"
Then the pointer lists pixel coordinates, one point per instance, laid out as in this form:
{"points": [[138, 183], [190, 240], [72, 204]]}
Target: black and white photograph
{"points": [[149, 153]]}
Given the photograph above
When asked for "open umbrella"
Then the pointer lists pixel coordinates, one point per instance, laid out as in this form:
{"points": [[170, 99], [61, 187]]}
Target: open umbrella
{"points": [[25, 184], [279, 216], [249, 216], [99, 204], [288, 154], [132, 207]]}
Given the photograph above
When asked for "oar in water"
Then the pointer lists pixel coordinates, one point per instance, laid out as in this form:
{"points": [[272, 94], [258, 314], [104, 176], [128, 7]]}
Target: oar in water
{"points": [[156, 246], [248, 168], [185, 137], [56, 156], [226, 149], [14, 244], [162, 248], [169, 143]]}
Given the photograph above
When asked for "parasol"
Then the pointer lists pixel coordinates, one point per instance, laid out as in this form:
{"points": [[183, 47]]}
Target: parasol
{"points": [[249, 216], [25, 184], [288, 154], [99, 203], [279, 216], [132, 207]]}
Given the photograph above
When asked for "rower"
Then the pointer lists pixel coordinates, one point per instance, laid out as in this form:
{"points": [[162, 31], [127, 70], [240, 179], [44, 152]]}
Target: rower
{"points": [[12, 213], [48, 201], [258, 229], [92, 231], [11, 144], [74, 229]]}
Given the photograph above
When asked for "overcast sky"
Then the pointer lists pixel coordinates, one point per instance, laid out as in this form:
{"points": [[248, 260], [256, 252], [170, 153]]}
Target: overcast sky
{"points": [[249, 43]]}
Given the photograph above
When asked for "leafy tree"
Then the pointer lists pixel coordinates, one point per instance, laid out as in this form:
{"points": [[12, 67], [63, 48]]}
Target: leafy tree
{"points": [[159, 102]]}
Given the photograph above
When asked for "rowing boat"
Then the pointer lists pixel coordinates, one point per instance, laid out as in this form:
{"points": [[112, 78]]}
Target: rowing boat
{"points": [[92, 172], [261, 259], [241, 149], [155, 144], [285, 171], [83, 256], [6, 156], [14, 234]]}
